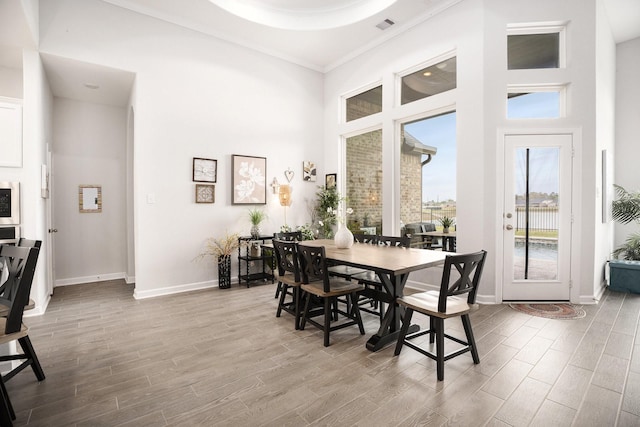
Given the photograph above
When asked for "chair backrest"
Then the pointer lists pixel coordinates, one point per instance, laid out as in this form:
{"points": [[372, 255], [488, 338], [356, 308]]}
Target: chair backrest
{"points": [[469, 268], [365, 238], [288, 235], [28, 243], [428, 226], [287, 257], [22, 266], [404, 241], [313, 265]]}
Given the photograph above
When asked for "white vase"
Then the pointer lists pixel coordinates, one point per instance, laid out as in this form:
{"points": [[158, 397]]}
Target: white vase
{"points": [[343, 238]]}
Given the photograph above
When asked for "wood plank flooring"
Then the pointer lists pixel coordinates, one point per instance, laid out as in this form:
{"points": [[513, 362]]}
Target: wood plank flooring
{"points": [[221, 357]]}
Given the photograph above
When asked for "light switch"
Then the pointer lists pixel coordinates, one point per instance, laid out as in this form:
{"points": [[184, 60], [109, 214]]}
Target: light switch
{"points": [[151, 198]]}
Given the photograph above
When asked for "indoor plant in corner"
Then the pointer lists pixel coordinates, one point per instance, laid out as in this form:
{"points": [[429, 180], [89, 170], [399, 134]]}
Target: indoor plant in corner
{"points": [[625, 267], [221, 251], [256, 216]]}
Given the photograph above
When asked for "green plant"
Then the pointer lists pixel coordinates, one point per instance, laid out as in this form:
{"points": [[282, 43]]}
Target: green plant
{"points": [[327, 202], [256, 216], [307, 232], [626, 209], [446, 222]]}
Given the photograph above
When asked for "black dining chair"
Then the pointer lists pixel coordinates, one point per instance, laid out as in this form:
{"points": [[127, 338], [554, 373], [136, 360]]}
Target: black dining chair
{"points": [[22, 264], [457, 294], [291, 236], [288, 277], [316, 282]]}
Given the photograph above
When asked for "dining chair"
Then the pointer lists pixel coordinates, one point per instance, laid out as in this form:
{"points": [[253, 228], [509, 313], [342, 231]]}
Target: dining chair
{"points": [[7, 414], [370, 279], [22, 264], [316, 282], [295, 236], [443, 304], [288, 277]]}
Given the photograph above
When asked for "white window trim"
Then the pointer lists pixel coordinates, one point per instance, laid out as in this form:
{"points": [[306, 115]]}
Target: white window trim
{"points": [[351, 94]]}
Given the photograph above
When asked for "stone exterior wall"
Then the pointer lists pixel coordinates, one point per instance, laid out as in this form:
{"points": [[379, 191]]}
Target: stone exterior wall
{"points": [[410, 188], [364, 180]]}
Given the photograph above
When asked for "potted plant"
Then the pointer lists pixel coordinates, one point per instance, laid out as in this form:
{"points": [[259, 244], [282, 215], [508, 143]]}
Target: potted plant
{"points": [[328, 200], [221, 250], [256, 216], [625, 267], [446, 223]]}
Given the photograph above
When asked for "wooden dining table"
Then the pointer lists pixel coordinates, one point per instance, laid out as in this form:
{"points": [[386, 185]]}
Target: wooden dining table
{"points": [[392, 265]]}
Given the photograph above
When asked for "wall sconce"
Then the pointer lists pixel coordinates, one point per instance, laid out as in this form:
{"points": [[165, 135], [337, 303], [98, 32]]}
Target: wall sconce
{"points": [[284, 194], [275, 185]]}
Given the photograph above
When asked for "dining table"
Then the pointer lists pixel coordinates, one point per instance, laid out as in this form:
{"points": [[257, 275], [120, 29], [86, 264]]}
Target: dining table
{"points": [[392, 264]]}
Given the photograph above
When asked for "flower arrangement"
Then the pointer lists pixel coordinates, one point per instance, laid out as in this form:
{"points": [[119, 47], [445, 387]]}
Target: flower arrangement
{"points": [[339, 215]]}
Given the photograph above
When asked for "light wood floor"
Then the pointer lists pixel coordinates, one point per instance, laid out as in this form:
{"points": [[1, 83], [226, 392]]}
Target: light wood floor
{"points": [[221, 357]]}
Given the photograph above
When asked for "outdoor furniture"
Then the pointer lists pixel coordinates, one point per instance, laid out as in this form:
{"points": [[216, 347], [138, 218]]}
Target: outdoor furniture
{"points": [[445, 304]]}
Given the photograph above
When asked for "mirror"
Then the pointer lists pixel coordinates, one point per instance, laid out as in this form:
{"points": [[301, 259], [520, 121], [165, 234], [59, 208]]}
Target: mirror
{"points": [[90, 198]]}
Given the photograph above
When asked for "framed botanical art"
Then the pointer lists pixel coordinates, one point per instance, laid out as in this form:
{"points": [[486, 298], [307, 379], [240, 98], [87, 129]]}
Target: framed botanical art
{"points": [[330, 180], [248, 180], [205, 193], [308, 171], [205, 170]]}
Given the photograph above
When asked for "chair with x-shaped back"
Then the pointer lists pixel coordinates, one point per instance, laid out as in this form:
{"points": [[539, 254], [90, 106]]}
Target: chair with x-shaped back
{"points": [[457, 294]]}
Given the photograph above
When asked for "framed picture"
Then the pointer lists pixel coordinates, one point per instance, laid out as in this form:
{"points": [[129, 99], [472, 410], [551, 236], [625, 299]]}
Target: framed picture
{"points": [[205, 170], [248, 180], [330, 180], [308, 171], [205, 193]]}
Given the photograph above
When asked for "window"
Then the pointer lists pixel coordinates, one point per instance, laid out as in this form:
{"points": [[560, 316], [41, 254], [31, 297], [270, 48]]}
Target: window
{"points": [[527, 103], [364, 181], [532, 46], [428, 169], [429, 81], [364, 104]]}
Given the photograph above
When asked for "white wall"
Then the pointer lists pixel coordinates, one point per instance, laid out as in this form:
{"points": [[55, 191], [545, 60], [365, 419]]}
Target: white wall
{"points": [[627, 147], [11, 82], [194, 97], [89, 148], [477, 31]]}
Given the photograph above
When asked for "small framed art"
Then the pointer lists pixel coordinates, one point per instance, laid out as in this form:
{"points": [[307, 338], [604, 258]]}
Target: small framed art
{"points": [[205, 193], [308, 171], [330, 180], [205, 170], [248, 180]]}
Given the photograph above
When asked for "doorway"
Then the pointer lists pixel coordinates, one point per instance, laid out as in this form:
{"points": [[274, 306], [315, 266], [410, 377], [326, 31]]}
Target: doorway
{"points": [[537, 217]]}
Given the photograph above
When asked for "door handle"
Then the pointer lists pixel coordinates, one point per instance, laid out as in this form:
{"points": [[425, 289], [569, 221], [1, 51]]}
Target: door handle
{"points": [[53, 230], [509, 227]]}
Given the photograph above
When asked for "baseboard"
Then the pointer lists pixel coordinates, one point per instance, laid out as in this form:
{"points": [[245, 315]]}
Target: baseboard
{"points": [[209, 284], [89, 279], [38, 310]]}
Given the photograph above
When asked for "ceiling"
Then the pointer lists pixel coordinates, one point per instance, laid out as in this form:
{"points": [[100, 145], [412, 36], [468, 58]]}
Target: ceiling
{"points": [[317, 34]]}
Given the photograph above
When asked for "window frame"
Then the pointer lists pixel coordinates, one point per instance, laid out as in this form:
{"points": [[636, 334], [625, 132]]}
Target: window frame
{"points": [[343, 101], [397, 99], [541, 28]]}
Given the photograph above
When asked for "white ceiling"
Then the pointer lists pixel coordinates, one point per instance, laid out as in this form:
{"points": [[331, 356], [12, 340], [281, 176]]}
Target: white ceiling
{"points": [[320, 49]]}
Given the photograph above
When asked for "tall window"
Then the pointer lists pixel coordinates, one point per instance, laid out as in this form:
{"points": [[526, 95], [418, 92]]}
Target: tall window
{"points": [[364, 181], [428, 169]]}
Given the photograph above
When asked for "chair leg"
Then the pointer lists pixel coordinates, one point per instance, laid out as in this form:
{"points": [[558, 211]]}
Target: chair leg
{"points": [[278, 290], [296, 302], [303, 319], [283, 295], [432, 330], [29, 351], [466, 322], [439, 323], [406, 322], [6, 409], [327, 320], [356, 311]]}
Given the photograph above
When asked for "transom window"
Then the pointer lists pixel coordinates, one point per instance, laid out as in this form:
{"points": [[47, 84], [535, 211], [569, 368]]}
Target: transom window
{"points": [[534, 46], [364, 104], [429, 81]]}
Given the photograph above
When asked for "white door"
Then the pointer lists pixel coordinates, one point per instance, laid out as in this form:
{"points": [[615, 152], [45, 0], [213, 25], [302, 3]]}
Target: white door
{"points": [[537, 218], [47, 188]]}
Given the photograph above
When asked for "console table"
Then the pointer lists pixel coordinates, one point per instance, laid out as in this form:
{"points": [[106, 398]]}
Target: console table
{"points": [[264, 260]]}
